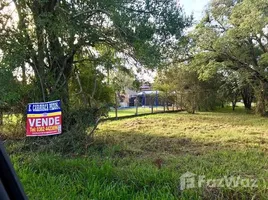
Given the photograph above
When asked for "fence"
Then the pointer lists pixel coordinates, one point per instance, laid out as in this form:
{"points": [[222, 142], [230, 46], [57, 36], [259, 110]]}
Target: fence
{"points": [[140, 111]]}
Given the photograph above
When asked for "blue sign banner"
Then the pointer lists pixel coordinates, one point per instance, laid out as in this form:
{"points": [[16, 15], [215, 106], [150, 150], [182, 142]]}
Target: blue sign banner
{"points": [[45, 107]]}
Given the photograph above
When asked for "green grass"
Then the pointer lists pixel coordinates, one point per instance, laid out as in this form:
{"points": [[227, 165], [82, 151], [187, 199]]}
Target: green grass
{"points": [[131, 111], [122, 162]]}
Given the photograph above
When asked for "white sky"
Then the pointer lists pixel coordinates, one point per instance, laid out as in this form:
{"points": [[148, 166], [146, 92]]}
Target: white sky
{"points": [[194, 6]]}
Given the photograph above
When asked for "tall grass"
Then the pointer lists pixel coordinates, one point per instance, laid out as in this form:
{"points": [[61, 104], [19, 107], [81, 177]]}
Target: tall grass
{"points": [[144, 158]]}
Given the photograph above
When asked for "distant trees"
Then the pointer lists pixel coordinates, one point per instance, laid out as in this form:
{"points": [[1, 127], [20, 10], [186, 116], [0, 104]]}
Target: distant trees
{"points": [[230, 90], [231, 44], [164, 83], [121, 79], [183, 88], [234, 36]]}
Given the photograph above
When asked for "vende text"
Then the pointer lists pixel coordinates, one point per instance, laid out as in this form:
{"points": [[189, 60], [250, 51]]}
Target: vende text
{"points": [[44, 121]]}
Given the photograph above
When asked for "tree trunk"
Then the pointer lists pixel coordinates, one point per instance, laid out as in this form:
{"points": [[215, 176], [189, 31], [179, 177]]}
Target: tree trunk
{"points": [[1, 118], [235, 99], [233, 105], [152, 105], [176, 102], [116, 106], [137, 105], [194, 104], [65, 97], [260, 107], [181, 102], [247, 96], [24, 81]]}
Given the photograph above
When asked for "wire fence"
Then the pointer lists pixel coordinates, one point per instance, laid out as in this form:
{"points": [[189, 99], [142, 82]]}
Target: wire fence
{"points": [[141, 110]]}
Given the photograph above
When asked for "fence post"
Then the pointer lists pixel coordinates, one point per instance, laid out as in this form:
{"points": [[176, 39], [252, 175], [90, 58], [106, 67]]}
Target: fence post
{"points": [[137, 105], [116, 108]]}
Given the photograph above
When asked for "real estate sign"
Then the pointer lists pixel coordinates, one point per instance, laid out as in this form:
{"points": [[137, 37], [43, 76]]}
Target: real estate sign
{"points": [[44, 119]]}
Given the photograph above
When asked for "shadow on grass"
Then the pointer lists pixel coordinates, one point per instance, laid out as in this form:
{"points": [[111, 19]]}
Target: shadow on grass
{"points": [[146, 145], [238, 110], [124, 164], [126, 167]]}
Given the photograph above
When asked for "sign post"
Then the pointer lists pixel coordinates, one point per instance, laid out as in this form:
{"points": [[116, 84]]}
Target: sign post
{"points": [[44, 119]]}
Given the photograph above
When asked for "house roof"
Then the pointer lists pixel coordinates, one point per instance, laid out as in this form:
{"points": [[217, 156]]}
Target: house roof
{"points": [[148, 92]]}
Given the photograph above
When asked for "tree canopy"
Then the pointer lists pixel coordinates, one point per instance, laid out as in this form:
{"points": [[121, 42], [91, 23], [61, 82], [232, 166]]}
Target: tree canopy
{"points": [[233, 35], [64, 47]]}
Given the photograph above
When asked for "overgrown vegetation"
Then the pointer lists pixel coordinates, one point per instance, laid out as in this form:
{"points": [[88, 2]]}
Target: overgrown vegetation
{"points": [[143, 158]]}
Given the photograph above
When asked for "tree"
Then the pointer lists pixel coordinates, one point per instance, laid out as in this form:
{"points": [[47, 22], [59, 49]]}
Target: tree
{"points": [[233, 36], [164, 84], [120, 81], [230, 90], [11, 91], [194, 94], [51, 36]]}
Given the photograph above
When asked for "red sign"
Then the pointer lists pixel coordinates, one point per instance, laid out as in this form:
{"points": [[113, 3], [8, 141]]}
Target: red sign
{"points": [[44, 119]]}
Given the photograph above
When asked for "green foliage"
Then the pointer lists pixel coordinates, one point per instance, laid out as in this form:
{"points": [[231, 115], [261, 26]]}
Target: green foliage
{"points": [[122, 79], [233, 36], [9, 87], [183, 87], [13, 100], [59, 32], [88, 89], [70, 46]]}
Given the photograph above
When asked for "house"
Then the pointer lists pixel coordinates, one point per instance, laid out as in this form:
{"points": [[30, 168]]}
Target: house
{"points": [[144, 96], [145, 87], [127, 98]]}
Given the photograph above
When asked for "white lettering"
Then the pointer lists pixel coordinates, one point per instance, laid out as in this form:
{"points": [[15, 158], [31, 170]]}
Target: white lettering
{"points": [[254, 183], [221, 184], [232, 181], [44, 121], [41, 122], [51, 121], [245, 182], [57, 120], [53, 106], [40, 107], [31, 121], [201, 180], [38, 122]]}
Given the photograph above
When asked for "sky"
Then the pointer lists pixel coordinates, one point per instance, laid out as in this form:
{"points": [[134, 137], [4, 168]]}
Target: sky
{"points": [[194, 6]]}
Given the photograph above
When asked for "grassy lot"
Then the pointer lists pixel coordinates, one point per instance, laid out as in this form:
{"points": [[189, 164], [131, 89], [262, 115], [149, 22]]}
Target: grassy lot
{"points": [[131, 111], [144, 158]]}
